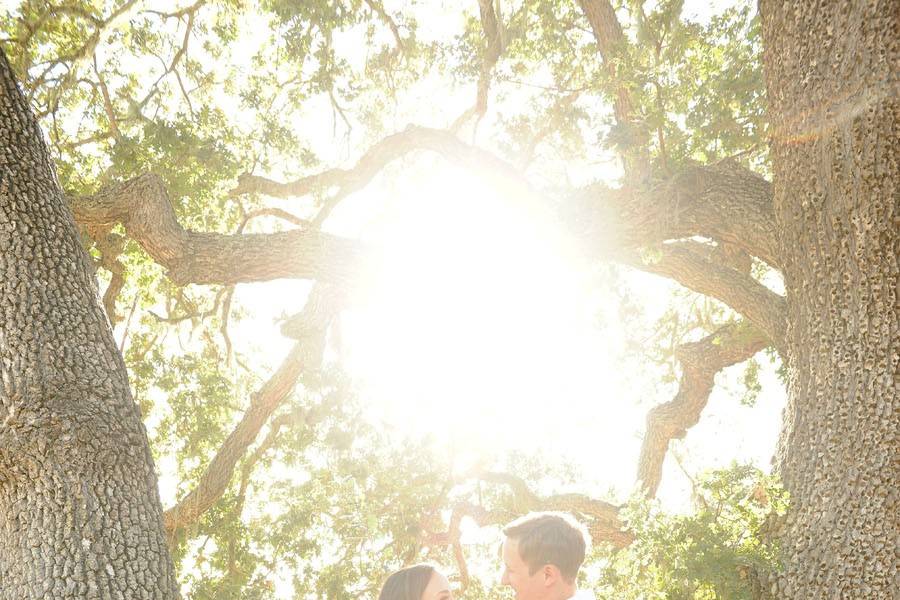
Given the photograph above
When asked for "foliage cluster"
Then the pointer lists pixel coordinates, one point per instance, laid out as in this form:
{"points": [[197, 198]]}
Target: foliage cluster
{"points": [[710, 554]]}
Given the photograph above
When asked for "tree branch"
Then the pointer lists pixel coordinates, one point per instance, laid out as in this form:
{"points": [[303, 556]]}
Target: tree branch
{"points": [[612, 44], [601, 518], [610, 41], [142, 205], [493, 49], [305, 355], [393, 147], [110, 246], [698, 268], [723, 201], [75, 59], [372, 162], [700, 361], [378, 9]]}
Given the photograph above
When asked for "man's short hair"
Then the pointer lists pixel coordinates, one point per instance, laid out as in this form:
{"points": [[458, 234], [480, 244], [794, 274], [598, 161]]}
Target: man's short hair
{"points": [[550, 538]]}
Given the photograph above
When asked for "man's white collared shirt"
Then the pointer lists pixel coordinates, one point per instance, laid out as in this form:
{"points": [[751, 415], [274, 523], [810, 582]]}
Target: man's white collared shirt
{"points": [[583, 595]]}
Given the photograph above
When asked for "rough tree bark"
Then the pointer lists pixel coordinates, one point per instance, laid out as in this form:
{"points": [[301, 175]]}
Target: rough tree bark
{"points": [[832, 77], [80, 515]]}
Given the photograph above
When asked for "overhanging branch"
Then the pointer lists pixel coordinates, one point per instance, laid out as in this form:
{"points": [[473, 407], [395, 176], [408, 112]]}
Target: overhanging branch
{"points": [[380, 155], [723, 201]]}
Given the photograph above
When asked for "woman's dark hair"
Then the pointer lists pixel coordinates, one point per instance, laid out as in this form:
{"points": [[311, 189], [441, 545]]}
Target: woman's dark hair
{"points": [[407, 584]]}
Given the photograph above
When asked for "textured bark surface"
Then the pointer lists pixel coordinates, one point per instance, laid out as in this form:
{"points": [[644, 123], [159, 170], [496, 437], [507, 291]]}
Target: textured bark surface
{"points": [[80, 515], [831, 71], [723, 201]]}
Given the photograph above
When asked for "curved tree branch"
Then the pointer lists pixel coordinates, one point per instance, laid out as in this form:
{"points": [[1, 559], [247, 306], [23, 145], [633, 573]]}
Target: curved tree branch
{"points": [[721, 201], [110, 246], [602, 518], [700, 361], [377, 157]]}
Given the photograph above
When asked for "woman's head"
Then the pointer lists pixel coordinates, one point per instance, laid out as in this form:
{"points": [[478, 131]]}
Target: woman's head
{"points": [[419, 582]]}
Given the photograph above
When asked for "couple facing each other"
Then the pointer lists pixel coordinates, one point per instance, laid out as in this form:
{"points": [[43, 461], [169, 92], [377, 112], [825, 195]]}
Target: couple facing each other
{"points": [[542, 553]]}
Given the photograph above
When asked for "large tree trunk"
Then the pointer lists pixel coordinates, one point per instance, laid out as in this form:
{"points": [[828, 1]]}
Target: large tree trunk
{"points": [[80, 515], [831, 71]]}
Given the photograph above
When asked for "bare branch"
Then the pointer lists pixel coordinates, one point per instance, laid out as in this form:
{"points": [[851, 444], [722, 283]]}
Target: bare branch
{"points": [[193, 313], [223, 329], [278, 213], [107, 104], [110, 246], [391, 148], [700, 361], [125, 331], [347, 180]]}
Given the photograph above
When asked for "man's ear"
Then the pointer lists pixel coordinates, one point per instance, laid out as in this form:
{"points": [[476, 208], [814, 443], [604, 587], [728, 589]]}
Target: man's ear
{"points": [[551, 575]]}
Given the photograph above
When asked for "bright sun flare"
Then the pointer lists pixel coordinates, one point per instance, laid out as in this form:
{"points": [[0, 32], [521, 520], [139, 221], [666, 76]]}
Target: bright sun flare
{"points": [[475, 330], [483, 330], [479, 328]]}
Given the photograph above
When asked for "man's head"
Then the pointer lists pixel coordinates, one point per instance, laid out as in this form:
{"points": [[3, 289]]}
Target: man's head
{"points": [[542, 554]]}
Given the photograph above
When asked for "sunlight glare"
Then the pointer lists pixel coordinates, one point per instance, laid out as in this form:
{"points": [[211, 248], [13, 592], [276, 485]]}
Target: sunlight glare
{"points": [[475, 331]]}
